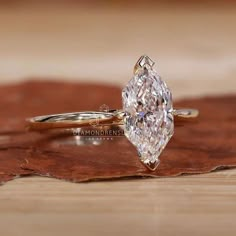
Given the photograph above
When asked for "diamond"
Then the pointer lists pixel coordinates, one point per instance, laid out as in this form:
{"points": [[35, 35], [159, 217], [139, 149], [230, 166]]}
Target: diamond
{"points": [[148, 120]]}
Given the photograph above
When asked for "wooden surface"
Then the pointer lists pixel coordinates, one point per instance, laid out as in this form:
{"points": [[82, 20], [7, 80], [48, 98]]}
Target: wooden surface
{"points": [[192, 205], [196, 49], [187, 43]]}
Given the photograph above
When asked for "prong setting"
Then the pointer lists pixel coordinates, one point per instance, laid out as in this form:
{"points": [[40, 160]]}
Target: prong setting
{"points": [[143, 62]]}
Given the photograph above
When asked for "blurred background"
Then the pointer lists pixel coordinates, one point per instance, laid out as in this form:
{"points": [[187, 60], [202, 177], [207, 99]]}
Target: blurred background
{"points": [[192, 42]]}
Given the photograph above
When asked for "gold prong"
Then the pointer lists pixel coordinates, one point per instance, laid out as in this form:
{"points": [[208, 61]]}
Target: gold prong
{"points": [[143, 61], [152, 165]]}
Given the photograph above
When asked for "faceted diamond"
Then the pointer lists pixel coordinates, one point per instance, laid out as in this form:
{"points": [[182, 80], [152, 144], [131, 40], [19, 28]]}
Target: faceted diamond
{"points": [[148, 119]]}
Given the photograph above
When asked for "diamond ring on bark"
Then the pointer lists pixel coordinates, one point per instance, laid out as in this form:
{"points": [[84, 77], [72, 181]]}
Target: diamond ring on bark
{"points": [[147, 115]]}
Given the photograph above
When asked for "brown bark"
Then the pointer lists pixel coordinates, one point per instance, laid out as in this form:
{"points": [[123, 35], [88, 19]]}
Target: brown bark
{"points": [[197, 147]]}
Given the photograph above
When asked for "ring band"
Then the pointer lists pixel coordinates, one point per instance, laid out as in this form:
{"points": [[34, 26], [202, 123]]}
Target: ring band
{"points": [[147, 115], [86, 118]]}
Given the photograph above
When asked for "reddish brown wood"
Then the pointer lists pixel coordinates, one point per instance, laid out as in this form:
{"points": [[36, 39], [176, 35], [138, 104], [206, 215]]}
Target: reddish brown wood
{"points": [[197, 147]]}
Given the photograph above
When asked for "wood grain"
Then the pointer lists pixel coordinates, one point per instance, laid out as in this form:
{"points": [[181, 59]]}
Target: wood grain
{"points": [[190, 205]]}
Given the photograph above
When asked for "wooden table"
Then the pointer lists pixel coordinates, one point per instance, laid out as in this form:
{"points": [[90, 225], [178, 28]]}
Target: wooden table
{"points": [[197, 52], [189, 205]]}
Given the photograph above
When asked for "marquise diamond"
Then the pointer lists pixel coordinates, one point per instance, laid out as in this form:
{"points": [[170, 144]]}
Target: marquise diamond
{"points": [[148, 120]]}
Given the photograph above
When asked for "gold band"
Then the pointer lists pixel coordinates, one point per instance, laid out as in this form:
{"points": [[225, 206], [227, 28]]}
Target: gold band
{"points": [[90, 118]]}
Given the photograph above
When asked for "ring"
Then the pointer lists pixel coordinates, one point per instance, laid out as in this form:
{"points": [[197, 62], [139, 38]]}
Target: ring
{"points": [[147, 116]]}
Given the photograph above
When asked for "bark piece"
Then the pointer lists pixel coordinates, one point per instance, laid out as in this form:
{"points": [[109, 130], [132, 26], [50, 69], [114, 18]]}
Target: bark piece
{"points": [[196, 147]]}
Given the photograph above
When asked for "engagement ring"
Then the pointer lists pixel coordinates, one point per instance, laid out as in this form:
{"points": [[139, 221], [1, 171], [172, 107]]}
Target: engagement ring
{"points": [[147, 115]]}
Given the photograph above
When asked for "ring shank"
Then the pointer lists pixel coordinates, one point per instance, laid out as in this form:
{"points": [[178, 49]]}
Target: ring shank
{"points": [[186, 113], [91, 118]]}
